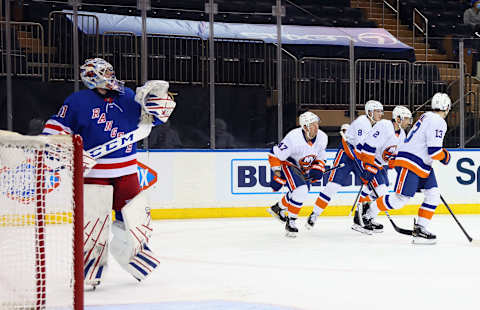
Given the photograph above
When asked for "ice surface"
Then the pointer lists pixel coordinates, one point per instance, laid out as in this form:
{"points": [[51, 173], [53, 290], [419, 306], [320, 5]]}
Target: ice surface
{"points": [[248, 263]]}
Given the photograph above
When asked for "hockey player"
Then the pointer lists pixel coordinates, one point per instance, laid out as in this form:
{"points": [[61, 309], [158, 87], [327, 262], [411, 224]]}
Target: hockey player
{"points": [[355, 135], [102, 112], [379, 148], [297, 161], [413, 164], [344, 128]]}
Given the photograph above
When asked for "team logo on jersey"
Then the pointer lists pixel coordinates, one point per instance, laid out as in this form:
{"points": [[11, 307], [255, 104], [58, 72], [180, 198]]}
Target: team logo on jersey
{"points": [[21, 181], [146, 176], [389, 152], [306, 162]]}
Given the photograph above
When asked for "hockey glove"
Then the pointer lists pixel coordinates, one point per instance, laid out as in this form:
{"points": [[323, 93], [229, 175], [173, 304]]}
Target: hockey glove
{"points": [[316, 171], [446, 159], [369, 173], [277, 182]]}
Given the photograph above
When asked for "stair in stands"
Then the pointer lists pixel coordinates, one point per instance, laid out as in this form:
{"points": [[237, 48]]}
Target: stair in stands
{"points": [[389, 22], [32, 45]]}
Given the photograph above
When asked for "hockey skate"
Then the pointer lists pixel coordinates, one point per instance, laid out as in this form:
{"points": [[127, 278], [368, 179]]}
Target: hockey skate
{"points": [[291, 228], [312, 218], [362, 223], [278, 212], [422, 236], [377, 227]]}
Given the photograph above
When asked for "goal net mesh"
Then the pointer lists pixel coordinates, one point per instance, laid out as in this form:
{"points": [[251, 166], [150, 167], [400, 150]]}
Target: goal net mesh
{"points": [[36, 222]]}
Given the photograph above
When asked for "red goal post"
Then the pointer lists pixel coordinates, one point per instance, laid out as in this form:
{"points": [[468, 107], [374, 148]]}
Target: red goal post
{"points": [[41, 221]]}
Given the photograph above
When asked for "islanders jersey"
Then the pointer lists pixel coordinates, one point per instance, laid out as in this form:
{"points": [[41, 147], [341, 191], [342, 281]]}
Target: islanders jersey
{"points": [[294, 150], [381, 143], [99, 119], [356, 134], [423, 145]]}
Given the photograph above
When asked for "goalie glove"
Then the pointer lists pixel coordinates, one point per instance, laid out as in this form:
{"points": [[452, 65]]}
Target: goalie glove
{"points": [[155, 99]]}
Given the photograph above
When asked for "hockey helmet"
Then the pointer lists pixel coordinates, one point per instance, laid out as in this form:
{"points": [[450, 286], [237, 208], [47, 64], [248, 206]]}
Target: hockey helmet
{"points": [[98, 73], [441, 101], [344, 127], [371, 106], [402, 112], [307, 118]]}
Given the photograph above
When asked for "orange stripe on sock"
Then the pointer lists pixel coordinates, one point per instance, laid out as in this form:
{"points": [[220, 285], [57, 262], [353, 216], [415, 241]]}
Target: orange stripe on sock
{"points": [[321, 203], [425, 213], [291, 208], [365, 199], [381, 204]]}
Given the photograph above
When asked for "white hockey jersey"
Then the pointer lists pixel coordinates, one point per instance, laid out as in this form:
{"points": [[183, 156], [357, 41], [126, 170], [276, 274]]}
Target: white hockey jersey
{"points": [[423, 144], [358, 130], [381, 143], [295, 150]]}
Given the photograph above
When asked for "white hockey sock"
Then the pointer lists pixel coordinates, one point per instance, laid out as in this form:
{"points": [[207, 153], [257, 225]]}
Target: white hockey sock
{"points": [[325, 196]]}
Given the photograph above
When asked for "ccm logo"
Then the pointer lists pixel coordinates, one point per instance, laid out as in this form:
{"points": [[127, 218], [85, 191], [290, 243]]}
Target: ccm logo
{"points": [[470, 174]]}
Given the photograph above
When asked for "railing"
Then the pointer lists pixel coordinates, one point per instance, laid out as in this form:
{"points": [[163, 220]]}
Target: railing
{"points": [[27, 49], [396, 9], [175, 58], [120, 49], [418, 26], [240, 62], [323, 81], [384, 80], [60, 44]]}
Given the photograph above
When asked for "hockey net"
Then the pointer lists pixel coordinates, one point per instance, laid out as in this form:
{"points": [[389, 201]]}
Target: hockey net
{"points": [[41, 222]]}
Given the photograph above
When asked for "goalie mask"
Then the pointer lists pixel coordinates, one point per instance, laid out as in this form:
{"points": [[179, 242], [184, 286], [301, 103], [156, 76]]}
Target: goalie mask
{"points": [[98, 73]]}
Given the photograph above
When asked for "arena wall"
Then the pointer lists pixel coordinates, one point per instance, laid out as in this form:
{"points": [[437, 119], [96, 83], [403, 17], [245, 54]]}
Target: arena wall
{"points": [[234, 183]]}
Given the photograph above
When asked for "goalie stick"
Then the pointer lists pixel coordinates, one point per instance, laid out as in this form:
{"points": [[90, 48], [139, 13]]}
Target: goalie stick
{"points": [[142, 131], [397, 229]]}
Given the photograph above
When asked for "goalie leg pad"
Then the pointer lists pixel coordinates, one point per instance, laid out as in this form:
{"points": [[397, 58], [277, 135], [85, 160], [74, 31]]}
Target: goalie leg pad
{"points": [[129, 245], [97, 217]]}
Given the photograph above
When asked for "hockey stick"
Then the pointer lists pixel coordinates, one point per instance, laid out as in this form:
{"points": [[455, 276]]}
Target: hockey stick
{"points": [[476, 242], [300, 173], [370, 185], [356, 199], [142, 131]]}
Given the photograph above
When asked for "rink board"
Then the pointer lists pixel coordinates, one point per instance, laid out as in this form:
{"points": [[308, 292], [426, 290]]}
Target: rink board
{"points": [[234, 183]]}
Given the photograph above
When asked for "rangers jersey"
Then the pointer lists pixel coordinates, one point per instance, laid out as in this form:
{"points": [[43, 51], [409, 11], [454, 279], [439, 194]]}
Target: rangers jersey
{"points": [[99, 119], [423, 145], [381, 143], [295, 150]]}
